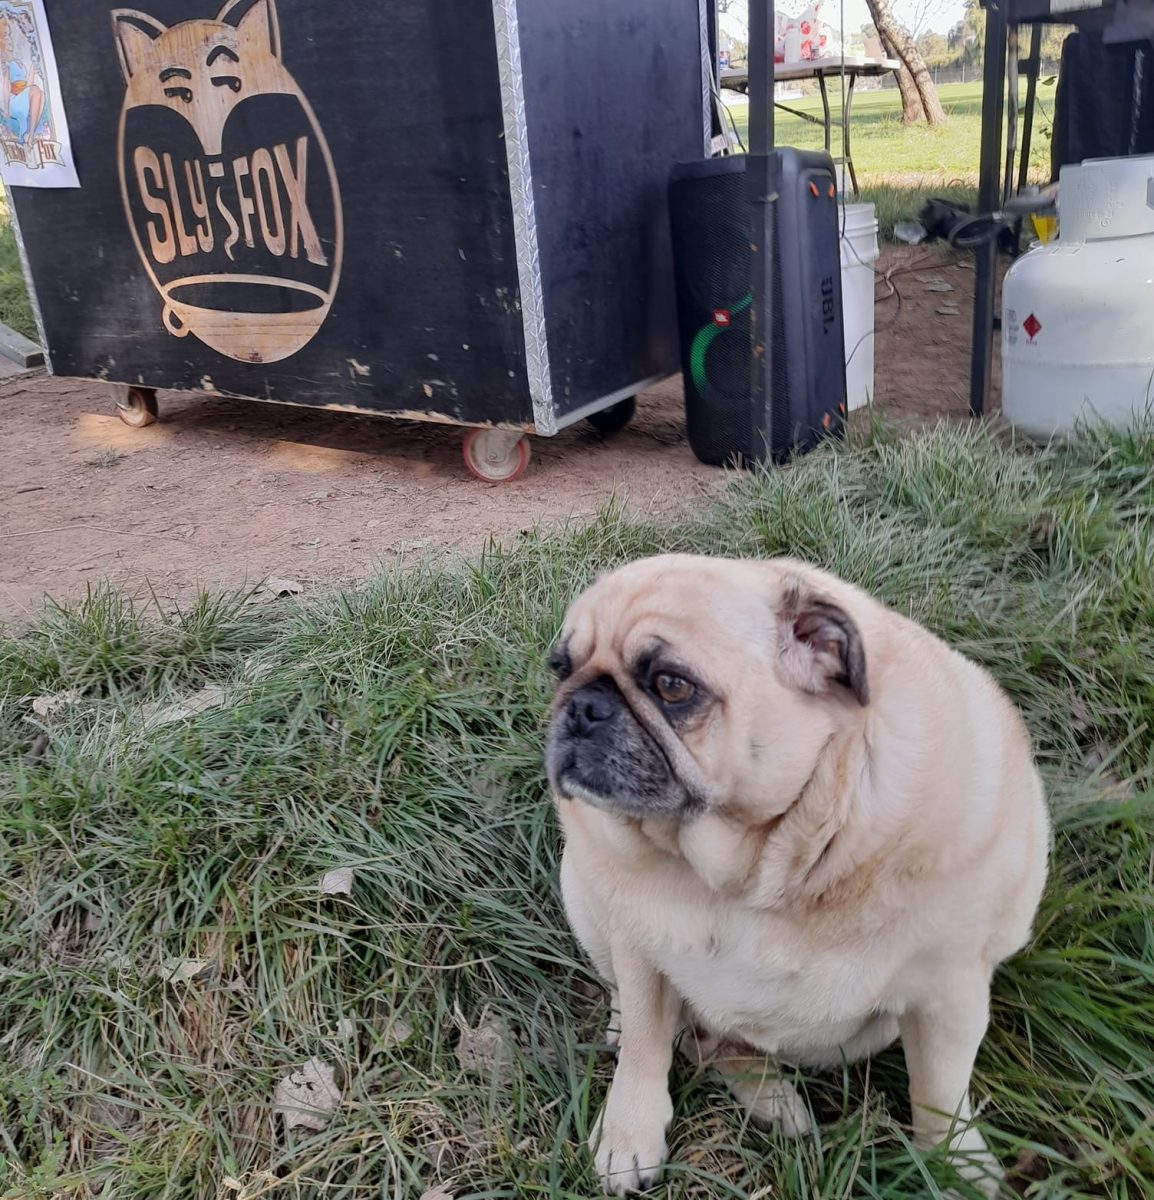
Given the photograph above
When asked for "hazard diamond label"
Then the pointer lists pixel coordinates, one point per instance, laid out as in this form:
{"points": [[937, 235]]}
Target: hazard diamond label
{"points": [[1032, 326], [721, 316]]}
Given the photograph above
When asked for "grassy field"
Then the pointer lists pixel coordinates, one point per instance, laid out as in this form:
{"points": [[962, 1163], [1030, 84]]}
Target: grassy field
{"points": [[15, 310], [899, 166], [167, 954]]}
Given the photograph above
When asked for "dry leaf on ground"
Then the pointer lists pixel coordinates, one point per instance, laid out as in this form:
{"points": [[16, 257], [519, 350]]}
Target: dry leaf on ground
{"points": [[437, 1193], [184, 970], [338, 882], [397, 1031], [212, 695], [487, 1048], [308, 1095], [256, 668], [48, 705]]}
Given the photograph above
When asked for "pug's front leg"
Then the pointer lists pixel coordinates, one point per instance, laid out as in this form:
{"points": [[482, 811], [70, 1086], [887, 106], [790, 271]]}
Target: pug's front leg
{"points": [[940, 1036], [628, 1141]]}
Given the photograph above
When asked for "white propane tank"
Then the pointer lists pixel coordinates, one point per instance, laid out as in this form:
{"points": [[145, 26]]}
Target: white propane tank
{"points": [[1078, 313]]}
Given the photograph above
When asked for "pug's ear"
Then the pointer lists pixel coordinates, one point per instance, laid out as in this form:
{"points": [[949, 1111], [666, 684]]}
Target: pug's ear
{"points": [[820, 645]]}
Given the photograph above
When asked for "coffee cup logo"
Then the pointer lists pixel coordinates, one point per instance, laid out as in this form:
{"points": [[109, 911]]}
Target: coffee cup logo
{"points": [[227, 182]]}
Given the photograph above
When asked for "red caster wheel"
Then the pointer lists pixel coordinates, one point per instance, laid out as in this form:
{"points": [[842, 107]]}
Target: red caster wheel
{"points": [[496, 455], [136, 406]]}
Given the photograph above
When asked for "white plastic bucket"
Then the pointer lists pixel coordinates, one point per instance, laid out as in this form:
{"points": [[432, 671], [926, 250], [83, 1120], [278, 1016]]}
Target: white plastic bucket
{"points": [[859, 252]]}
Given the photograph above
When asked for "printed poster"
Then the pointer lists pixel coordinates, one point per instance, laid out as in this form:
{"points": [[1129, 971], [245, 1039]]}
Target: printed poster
{"points": [[35, 150]]}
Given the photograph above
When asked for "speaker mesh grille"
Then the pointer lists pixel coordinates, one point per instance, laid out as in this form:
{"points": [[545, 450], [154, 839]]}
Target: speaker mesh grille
{"points": [[710, 221], [711, 218]]}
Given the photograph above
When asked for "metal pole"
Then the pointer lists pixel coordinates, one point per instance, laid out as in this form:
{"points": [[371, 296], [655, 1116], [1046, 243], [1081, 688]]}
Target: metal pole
{"points": [[763, 187], [714, 45], [989, 194], [1033, 67], [1011, 111]]}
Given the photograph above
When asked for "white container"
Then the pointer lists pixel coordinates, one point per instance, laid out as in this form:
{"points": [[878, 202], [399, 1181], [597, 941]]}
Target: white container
{"points": [[859, 252], [1078, 313]]}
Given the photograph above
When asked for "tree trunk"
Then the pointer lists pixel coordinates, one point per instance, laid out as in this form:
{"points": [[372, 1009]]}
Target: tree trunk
{"points": [[913, 111], [923, 80], [899, 44]]}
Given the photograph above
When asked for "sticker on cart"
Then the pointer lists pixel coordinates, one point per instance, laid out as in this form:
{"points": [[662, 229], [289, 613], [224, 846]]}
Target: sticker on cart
{"points": [[34, 143], [227, 181]]}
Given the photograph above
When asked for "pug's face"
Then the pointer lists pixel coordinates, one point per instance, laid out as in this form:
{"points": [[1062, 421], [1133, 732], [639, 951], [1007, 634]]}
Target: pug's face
{"points": [[688, 684]]}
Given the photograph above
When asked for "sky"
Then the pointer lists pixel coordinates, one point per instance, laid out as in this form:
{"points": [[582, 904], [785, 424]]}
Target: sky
{"points": [[940, 15]]}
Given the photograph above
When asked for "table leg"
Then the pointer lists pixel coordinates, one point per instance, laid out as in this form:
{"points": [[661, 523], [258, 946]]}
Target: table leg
{"points": [[847, 153], [825, 109]]}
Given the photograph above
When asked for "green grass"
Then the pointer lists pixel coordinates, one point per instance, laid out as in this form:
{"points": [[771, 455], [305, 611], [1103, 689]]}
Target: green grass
{"points": [[398, 729], [15, 310], [899, 166]]}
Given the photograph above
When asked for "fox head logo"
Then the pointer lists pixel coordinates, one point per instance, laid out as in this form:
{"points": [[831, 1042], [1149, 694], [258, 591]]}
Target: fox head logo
{"points": [[239, 226], [202, 69]]}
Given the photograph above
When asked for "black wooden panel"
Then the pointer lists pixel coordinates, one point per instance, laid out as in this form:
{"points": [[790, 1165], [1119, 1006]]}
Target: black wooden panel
{"points": [[406, 97], [613, 100]]}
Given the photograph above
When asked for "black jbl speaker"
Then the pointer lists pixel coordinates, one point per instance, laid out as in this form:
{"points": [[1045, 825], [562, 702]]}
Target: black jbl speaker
{"points": [[712, 219]]}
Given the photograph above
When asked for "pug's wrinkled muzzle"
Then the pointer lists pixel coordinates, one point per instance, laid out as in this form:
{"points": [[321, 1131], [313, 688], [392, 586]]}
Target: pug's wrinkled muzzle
{"points": [[599, 752]]}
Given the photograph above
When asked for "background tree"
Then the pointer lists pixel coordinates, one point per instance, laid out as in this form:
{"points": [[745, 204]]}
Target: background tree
{"points": [[933, 47], [898, 43], [968, 36]]}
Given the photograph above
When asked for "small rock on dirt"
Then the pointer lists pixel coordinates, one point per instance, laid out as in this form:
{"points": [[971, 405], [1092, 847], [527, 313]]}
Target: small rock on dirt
{"points": [[276, 588]]}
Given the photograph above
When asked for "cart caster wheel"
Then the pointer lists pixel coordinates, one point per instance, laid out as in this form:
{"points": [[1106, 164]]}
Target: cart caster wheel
{"points": [[496, 455], [615, 417], [136, 406]]}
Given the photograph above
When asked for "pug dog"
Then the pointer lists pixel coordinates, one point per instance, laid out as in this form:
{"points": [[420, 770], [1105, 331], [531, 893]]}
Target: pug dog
{"points": [[797, 827]]}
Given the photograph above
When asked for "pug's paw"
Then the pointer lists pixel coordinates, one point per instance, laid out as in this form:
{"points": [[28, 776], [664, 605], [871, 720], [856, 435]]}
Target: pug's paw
{"points": [[629, 1150], [775, 1104], [973, 1161], [984, 1173]]}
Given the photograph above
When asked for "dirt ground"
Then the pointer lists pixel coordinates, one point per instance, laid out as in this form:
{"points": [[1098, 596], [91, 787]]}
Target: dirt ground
{"points": [[222, 492]]}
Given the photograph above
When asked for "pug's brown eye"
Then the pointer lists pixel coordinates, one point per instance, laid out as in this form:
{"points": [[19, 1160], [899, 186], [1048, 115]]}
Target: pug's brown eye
{"points": [[560, 663], [672, 689]]}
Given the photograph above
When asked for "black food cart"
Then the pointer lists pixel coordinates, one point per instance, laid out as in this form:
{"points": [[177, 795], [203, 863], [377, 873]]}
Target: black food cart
{"points": [[451, 210]]}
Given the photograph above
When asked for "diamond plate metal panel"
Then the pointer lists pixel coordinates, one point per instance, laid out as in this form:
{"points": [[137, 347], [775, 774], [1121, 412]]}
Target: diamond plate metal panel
{"points": [[524, 216], [706, 79]]}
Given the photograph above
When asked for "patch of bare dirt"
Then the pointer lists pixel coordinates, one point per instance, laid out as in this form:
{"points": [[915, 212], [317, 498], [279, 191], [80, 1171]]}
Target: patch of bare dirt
{"points": [[225, 491]]}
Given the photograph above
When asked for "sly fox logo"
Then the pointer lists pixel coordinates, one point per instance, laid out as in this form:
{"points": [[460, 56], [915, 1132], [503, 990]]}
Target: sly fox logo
{"points": [[227, 181]]}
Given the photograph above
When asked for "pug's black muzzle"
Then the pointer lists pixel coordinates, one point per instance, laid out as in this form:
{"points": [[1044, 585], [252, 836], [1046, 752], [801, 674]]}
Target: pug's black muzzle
{"points": [[599, 752]]}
